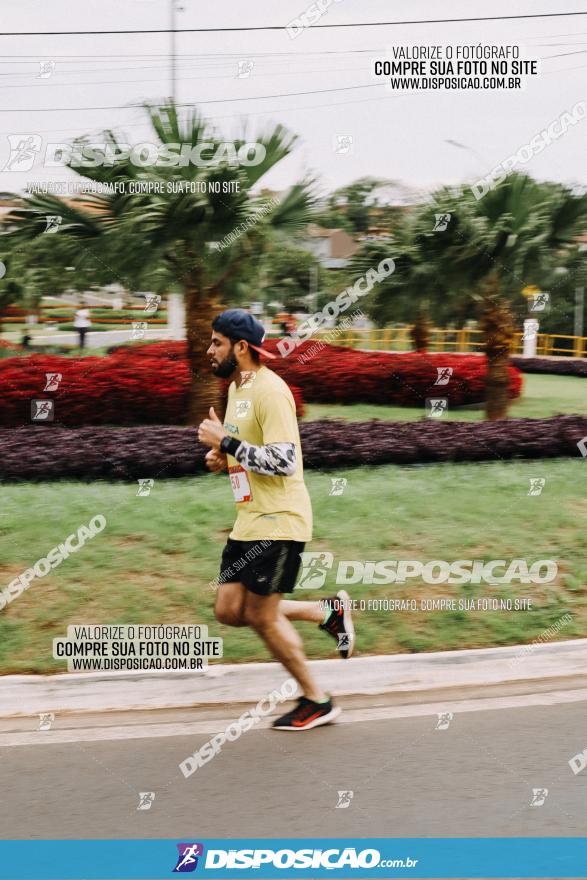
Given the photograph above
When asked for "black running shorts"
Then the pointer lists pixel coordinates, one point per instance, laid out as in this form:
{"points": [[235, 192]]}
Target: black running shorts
{"points": [[264, 567]]}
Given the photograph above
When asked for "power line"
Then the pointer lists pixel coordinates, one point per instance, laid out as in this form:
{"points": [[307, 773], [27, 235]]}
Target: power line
{"points": [[145, 123], [164, 75], [163, 56], [283, 27], [202, 76], [190, 104]]}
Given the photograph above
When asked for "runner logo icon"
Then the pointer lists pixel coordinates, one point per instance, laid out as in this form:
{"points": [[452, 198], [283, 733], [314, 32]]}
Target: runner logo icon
{"points": [[187, 860], [314, 568]]}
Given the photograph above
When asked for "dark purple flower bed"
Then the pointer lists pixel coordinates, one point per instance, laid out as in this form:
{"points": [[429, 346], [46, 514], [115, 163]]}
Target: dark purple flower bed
{"points": [[559, 366], [45, 453]]}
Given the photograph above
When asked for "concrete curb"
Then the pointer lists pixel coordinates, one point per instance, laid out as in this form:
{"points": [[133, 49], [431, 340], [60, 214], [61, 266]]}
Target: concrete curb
{"points": [[401, 678]]}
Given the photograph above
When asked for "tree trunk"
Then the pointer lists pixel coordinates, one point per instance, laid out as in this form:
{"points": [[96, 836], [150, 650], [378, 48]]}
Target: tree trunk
{"points": [[421, 332], [498, 328], [206, 390]]}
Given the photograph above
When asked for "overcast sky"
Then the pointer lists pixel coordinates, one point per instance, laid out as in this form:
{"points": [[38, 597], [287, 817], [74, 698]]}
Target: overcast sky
{"points": [[402, 137]]}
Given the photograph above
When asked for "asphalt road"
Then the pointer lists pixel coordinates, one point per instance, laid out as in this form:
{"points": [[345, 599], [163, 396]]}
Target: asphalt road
{"points": [[475, 778]]}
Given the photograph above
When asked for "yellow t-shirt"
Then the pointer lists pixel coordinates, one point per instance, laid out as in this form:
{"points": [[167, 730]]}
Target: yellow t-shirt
{"points": [[262, 410]]}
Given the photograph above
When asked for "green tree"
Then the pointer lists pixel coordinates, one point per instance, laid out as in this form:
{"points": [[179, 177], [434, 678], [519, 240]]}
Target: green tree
{"points": [[355, 207], [458, 257], [288, 274], [200, 233], [495, 246]]}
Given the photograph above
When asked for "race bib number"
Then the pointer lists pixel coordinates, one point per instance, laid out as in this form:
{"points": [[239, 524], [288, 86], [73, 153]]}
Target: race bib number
{"points": [[241, 488]]}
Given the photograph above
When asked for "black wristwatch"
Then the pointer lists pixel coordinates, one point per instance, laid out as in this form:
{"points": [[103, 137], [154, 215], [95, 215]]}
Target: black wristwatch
{"points": [[229, 445]]}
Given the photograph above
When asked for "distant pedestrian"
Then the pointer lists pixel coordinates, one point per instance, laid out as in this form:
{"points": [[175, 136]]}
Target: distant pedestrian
{"points": [[82, 323]]}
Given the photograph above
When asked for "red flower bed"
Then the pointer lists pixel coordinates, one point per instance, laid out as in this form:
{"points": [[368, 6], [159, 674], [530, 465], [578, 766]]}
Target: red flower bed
{"points": [[149, 383], [334, 374], [128, 387]]}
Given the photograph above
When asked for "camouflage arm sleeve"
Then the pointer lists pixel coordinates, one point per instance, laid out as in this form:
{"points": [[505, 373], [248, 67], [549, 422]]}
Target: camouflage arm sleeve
{"points": [[271, 460]]}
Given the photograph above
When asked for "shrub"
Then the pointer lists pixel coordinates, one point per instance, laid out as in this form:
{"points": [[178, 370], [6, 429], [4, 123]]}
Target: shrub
{"points": [[149, 383], [120, 389], [343, 375], [48, 452], [564, 366]]}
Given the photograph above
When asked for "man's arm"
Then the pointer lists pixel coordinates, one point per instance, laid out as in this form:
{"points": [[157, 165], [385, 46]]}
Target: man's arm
{"points": [[270, 460]]}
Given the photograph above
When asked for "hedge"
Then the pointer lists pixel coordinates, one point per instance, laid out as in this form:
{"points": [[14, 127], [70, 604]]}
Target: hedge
{"points": [[46, 452], [120, 389], [150, 384], [564, 366]]}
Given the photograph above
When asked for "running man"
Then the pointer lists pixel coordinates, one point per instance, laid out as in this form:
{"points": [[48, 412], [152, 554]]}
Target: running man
{"points": [[259, 443]]}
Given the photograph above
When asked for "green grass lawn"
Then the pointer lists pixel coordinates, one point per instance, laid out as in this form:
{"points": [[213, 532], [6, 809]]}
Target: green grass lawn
{"points": [[542, 396], [154, 561]]}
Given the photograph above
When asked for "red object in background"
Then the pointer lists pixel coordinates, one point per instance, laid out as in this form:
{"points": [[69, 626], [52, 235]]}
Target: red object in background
{"points": [[336, 374], [149, 383], [138, 385]]}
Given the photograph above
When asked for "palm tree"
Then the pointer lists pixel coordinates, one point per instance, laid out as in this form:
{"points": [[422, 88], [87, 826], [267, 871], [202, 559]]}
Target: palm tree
{"points": [[495, 246], [199, 234]]}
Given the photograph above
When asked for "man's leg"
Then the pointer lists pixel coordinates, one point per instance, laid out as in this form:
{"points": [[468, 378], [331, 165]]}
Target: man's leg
{"points": [[264, 615], [311, 611], [230, 604]]}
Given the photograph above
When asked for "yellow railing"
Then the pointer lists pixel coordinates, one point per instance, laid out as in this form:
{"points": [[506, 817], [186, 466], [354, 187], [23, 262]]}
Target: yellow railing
{"points": [[399, 339]]}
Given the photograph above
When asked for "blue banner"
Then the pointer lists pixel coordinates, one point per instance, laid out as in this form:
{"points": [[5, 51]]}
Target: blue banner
{"points": [[293, 857]]}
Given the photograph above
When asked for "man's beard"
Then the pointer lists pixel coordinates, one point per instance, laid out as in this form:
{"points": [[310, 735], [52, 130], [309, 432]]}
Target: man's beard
{"points": [[226, 368]]}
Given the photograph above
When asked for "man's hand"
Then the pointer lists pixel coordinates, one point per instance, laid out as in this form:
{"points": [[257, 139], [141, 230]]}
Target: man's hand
{"points": [[211, 431], [215, 461]]}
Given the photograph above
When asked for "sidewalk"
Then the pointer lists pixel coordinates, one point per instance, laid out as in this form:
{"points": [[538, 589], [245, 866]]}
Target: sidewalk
{"points": [[399, 679]]}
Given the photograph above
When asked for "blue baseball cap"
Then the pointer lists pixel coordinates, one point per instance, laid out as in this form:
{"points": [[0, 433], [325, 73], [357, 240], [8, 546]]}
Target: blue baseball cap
{"points": [[238, 324]]}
